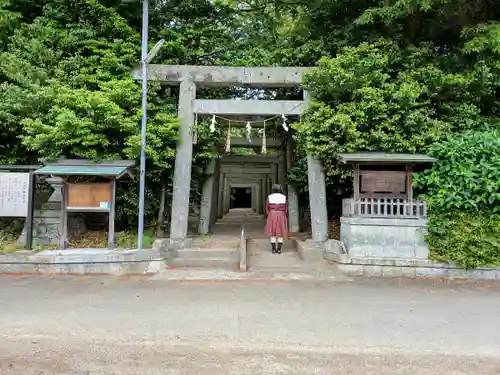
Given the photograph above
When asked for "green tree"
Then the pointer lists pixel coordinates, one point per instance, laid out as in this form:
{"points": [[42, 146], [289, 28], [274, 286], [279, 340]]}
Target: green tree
{"points": [[66, 88], [67, 92], [379, 97]]}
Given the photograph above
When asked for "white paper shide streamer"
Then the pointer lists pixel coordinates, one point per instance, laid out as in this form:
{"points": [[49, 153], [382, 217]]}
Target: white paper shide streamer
{"points": [[249, 132], [264, 146], [228, 139], [284, 123], [212, 124]]}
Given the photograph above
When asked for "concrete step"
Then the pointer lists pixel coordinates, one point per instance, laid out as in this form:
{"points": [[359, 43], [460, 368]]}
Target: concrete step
{"points": [[263, 244], [212, 262], [207, 253], [239, 219], [207, 258]]}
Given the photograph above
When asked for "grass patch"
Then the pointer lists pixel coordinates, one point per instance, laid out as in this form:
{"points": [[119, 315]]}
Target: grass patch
{"points": [[10, 247], [124, 240], [9, 233]]}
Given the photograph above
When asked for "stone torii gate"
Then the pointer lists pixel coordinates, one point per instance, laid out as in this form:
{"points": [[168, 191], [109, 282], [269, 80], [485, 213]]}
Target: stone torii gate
{"points": [[191, 77]]}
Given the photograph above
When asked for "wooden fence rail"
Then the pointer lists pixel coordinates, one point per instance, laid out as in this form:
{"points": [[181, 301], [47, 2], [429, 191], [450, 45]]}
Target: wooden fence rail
{"points": [[384, 207]]}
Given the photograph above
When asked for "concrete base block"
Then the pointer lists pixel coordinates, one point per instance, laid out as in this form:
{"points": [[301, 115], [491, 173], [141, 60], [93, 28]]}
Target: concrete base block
{"points": [[311, 251], [421, 269], [167, 246], [83, 262], [177, 244], [401, 267], [243, 254], [384, 237]]}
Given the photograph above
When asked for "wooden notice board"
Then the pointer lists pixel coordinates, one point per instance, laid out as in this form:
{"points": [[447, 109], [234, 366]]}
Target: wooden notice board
{"points": [[95, 195], [383, 182]]}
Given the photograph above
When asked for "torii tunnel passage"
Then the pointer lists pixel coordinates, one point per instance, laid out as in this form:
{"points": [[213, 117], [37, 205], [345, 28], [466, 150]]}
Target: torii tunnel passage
{"points": [[241, 198]]}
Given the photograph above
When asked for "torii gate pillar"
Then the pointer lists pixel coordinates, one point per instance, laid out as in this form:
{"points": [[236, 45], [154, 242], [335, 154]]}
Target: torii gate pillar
{"points": [[183, 162]]}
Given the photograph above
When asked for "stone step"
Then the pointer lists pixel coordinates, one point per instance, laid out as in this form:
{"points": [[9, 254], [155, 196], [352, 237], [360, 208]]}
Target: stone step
{"points": [[260, 217], [264, 243], [284, 251], [201, 253], [239, 223], [211, 262], [239, 218], [206, 258]]}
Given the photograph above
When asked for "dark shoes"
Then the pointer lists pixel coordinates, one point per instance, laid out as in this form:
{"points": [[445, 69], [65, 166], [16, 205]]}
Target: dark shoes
{"points": [[278, 251]]}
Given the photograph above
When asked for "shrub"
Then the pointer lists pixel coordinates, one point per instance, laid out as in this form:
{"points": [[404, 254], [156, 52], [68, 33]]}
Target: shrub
{"points": [[463, 191], [469, 240], [465, 176]]}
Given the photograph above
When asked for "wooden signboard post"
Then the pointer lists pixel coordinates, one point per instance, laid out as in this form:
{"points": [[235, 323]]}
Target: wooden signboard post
{"points": [[89, 197]]}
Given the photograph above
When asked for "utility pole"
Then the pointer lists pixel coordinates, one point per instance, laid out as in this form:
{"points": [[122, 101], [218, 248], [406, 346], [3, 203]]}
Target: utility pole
{"points": [[145, 60]]}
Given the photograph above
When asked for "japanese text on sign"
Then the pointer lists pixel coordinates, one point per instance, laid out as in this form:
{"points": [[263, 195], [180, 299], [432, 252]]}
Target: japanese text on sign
{"points": [[14, 194]]}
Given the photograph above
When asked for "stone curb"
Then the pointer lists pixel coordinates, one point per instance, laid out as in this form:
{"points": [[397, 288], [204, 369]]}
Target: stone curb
{"points": [[243, 254], [407, 268], [114, 263]]}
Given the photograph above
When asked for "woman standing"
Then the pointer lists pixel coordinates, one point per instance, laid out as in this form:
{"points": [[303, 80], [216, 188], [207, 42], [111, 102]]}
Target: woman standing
{"points": [[277, 218]]}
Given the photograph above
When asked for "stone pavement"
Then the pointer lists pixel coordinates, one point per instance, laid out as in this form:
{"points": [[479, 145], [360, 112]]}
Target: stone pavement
{"points": [[125, 326]]}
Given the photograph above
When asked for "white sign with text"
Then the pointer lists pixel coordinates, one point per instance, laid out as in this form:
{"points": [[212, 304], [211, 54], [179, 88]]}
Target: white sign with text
{"points": [[14, 194]]}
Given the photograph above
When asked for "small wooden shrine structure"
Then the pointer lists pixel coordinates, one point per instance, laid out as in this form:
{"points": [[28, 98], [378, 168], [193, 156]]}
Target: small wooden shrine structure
{"points": [[383, 220], [382, 184], [98, 196]]}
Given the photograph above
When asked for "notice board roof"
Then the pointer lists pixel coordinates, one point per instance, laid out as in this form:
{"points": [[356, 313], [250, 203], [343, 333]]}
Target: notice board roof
{"points": [[81, 167], [384, 158]]}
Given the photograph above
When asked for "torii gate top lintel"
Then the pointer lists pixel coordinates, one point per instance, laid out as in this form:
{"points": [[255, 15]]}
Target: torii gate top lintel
{"points": [[224, 75]]}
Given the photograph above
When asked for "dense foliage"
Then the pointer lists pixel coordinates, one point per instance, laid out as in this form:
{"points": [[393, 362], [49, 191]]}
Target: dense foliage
{"points": [[463, 192], [379, 97], [465, 177], [66, 89], [467, 239]]}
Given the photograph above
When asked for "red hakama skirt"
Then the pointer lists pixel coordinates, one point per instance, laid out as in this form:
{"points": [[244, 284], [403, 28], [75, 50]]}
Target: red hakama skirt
{"points": [[277, 220]]}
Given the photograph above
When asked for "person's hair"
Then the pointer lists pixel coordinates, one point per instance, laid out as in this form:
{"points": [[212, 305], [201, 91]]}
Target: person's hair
{"points": [[276, 188]]}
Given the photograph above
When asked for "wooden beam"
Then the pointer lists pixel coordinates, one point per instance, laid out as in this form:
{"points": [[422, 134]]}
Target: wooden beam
{"points": [[409, 181], [356, 182], [248, 159], [241, 142], [242, 169], [64, 217]]}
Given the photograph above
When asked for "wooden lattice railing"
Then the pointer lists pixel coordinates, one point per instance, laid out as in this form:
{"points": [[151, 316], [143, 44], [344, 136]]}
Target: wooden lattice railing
{"points": [[384, 207]]}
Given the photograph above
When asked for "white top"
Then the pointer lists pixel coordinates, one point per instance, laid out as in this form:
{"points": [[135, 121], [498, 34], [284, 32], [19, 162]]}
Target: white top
{"points": [[276, 198]]}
